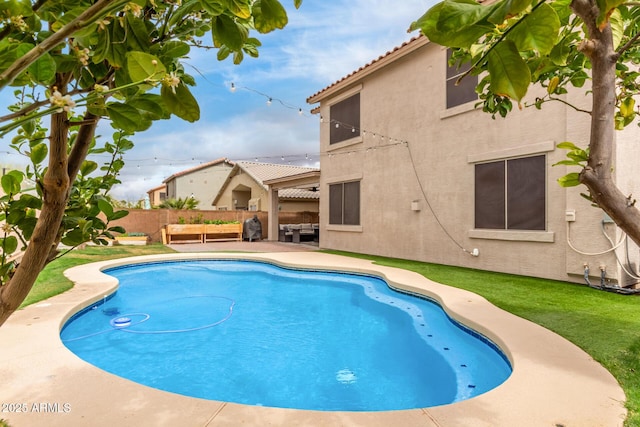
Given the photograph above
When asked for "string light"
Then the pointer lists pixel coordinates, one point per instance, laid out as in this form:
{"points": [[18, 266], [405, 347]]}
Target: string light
{"points": [[270, 99]]}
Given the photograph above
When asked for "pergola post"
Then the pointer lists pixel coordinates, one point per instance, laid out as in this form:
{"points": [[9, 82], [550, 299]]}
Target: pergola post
{"points": [[272, 232]]}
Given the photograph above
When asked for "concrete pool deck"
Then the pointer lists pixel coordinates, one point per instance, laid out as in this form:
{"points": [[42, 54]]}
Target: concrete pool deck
{"points": [[554, 383]]}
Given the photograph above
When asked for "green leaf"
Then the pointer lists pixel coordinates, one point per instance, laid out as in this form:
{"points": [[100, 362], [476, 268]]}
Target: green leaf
{"points": [[269, 15], [9, 244], [29, 201], [537, 31], [181, 103], [142, 66], [87, 167], [137, 34], [27, 225], [457, 15], [118, 215], [150, 106], [101, 50], [39, 153], [126, 117], [606, 8], [214, 7], [570, 180], [617, 27], [566, 145], [507, 9], [43, 70], [105, 207], [627, 107], [561, 51], [73, 238], [11, 182], [567, 163], [117, 229], [175, 49], [297, 3], [226, 32], [428, 24], [510, 75], [240, 8], [117, 51]]}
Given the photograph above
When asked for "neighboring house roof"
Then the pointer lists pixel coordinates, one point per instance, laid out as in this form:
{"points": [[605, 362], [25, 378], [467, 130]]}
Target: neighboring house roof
{"points": [[261, 172], [199, 167], [158, 188], [298, 193], [382, 61], [265, 171]]}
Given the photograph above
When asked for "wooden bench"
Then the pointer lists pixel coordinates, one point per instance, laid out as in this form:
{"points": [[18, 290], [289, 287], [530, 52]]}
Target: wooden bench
{"points": [[200, 233]]}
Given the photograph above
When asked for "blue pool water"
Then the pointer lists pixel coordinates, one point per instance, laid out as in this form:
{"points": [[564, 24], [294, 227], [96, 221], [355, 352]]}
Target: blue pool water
{"points": [[257, 334]]}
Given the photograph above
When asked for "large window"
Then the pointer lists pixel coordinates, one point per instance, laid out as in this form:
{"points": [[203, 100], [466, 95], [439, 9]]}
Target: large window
{"points": [[465, 90], [344, 203], [345, 119], [510, 194]]}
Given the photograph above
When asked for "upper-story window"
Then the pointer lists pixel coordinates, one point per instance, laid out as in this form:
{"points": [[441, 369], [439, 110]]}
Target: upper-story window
{"points": [[345, 119], [465, 90], [511, 194]]}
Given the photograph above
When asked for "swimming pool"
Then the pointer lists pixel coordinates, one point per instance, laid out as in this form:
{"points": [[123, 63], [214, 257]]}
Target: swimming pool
{"points": [[260, 334]]}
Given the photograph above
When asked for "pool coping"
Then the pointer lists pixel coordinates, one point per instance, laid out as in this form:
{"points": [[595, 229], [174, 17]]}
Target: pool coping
{"points": [[554, 383]]}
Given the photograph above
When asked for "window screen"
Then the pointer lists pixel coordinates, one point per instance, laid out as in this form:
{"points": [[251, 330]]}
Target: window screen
{"points": [[344, 203], [345, 119], [510, 194]]}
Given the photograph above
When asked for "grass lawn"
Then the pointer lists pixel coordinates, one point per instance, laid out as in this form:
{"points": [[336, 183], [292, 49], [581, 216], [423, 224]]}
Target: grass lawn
{"points": [[52, 282], [605, 325]]}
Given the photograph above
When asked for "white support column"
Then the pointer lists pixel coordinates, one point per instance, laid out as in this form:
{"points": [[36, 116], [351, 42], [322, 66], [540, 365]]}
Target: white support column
{"points": [[272, 233]]}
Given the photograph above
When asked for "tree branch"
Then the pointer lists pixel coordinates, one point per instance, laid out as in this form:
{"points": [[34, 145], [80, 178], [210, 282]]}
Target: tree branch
{"points": [[627, 45], [81, 146], [87, 17], [568, 104]]}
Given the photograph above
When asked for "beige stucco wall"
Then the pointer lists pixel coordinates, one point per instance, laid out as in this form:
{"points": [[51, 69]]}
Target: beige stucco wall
{"points": [[299, 206], [242, 183], [405, 101], [204, 184]]}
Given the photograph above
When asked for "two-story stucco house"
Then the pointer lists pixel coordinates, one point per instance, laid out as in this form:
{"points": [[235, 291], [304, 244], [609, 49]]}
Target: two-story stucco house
{"points": [[201, 182], [412, 169]]}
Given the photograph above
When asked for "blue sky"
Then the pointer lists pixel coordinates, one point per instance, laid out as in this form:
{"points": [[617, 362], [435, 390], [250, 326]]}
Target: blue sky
{"points": [[324, 41]]}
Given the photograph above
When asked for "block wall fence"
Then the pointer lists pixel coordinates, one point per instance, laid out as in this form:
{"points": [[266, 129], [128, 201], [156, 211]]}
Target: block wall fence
{"points": [[151, 221]]}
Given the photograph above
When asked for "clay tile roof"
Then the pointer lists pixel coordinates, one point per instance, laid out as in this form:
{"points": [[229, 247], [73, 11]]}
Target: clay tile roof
{"points": [[261, 172], [298, 193], [413, 41]]}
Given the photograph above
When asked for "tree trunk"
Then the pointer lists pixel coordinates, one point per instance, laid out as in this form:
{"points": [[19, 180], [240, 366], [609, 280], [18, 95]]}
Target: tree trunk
{"points": [[597, 175], [55, 188]]}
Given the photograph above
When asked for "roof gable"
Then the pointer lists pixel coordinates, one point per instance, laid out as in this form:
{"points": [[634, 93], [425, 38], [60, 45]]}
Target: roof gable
{"points": [[261, 172], [220, 161]]}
